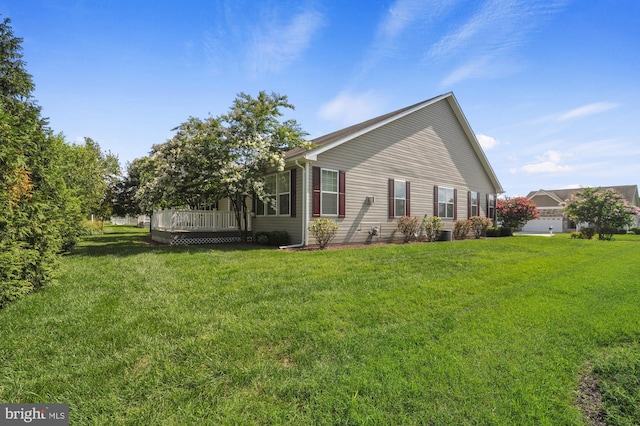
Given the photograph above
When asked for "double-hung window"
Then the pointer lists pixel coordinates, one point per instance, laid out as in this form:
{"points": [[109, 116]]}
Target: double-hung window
{"points": [[284, 193], [277, 188], [491, 206], [474, 204], [329, 192], [446, 202], [400, 198]]}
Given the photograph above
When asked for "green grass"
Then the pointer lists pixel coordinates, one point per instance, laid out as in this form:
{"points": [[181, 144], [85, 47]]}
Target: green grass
{"points": [[495, 332]]}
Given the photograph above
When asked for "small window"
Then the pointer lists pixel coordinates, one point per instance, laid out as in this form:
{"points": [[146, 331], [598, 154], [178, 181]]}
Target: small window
{"points": [[446, 203], [284, 194], [329, 192], [491, 206], [473, 204], [400, 198]]}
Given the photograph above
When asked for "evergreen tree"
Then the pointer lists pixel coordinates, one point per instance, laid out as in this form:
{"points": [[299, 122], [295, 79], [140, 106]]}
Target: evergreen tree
{"points": [[36, 209]]}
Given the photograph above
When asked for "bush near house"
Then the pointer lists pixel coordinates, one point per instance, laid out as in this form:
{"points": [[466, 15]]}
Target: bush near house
{"points": [[461, 228], [323, 230], [501, 231], [479, 225], [272, 238], [410, 227], [432, 228]]}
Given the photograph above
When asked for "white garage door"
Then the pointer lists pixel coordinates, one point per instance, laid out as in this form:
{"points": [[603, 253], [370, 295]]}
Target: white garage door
{"points": [[540, 226]]}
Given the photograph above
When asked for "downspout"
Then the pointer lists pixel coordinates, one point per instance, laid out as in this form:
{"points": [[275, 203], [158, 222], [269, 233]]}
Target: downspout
{"points": [[305, 197]]}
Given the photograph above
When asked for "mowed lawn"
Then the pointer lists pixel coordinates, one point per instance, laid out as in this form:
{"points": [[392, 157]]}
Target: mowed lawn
{"points": [[493, 331]]}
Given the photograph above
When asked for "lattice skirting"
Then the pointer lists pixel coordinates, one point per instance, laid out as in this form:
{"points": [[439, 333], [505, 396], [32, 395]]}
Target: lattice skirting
{"points": [[206, 240]]}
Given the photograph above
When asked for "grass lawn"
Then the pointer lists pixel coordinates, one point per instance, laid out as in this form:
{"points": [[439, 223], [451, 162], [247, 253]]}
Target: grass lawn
{"points": [[496, 331]]}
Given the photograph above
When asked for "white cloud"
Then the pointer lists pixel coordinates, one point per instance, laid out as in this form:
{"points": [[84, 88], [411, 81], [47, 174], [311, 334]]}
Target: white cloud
{"points": [[349, 108], [586, 110], [487, 142], [550, 162], [276, 45]]}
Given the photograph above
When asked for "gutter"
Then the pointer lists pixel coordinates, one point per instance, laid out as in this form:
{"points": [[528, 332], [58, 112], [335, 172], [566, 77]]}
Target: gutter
{"points": [[305, 180]]}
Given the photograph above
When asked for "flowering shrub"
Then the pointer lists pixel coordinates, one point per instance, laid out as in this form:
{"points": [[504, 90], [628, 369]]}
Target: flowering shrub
{"points": [[460, 229], [409, 226], [432, 227], [605, 209], [479, 225], [515, 212], [323, 230]]}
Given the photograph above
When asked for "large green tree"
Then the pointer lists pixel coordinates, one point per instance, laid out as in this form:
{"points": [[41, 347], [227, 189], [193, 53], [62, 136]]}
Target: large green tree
{"points": [[604, 209], [92, 175], [221, 157], [36, 208]]}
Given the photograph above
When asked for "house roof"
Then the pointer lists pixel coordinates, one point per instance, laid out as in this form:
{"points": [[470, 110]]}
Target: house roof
{"points": [[331, 140], [629, 192]]}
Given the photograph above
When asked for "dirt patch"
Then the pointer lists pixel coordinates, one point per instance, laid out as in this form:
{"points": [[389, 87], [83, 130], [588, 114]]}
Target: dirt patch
{"points": [[589, 399]]}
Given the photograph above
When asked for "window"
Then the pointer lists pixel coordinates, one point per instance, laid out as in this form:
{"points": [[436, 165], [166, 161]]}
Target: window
{"points": [[473, 204], [491, 206], [399, 198], [446, 203], [277, 189], [284, 193], [329, 192]]}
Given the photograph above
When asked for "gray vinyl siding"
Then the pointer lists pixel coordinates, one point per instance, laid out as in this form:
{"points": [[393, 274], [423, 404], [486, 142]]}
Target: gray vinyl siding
{"points": [[428, 147], [293, 225]]}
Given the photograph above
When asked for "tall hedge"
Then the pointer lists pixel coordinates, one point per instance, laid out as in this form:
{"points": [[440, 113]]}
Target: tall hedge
{"points": [[37, 212]]}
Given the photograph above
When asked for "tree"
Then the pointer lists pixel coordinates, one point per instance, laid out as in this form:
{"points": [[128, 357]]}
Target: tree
{"points": [[515, 212], [254, 143], [92, 176], [36, 208], [605, 209], [222, 157]]}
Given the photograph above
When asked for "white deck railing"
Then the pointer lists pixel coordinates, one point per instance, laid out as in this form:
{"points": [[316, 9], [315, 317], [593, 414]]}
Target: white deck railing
{"points": [[195, 220]]}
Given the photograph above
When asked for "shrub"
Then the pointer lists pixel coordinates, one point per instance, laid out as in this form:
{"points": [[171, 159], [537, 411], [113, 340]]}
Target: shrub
{"points": [[432, 227], [479, 225], [262, 238], [92, 228], [460, 229], [409, 226], [273, 238], [323, 230], [587, 233], [501, 231], [635, 231], [278, 238]]}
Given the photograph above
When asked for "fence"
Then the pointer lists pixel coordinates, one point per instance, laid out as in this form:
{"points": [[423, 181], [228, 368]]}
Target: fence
{"points": [[140, 221], [195, 220]]}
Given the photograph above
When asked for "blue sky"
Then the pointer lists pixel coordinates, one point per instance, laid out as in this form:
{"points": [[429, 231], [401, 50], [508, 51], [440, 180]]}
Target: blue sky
{"points": [[550, 87]]}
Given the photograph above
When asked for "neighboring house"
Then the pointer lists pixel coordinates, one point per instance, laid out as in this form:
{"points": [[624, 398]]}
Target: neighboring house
{"points": [[551, 212], [420, 160]]}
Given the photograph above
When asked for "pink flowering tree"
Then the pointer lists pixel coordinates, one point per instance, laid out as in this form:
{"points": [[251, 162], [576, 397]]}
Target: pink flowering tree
{"points": [[604, 209], [515, 212]]}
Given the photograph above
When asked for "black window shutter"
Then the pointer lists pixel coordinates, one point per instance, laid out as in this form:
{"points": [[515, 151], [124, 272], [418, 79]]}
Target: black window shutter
{"points": [[315, 185], [408, 206], [391, 199], [455, 204], [468, 204], [487, 210], [292, 193], [435, 201], [341, 194]]}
